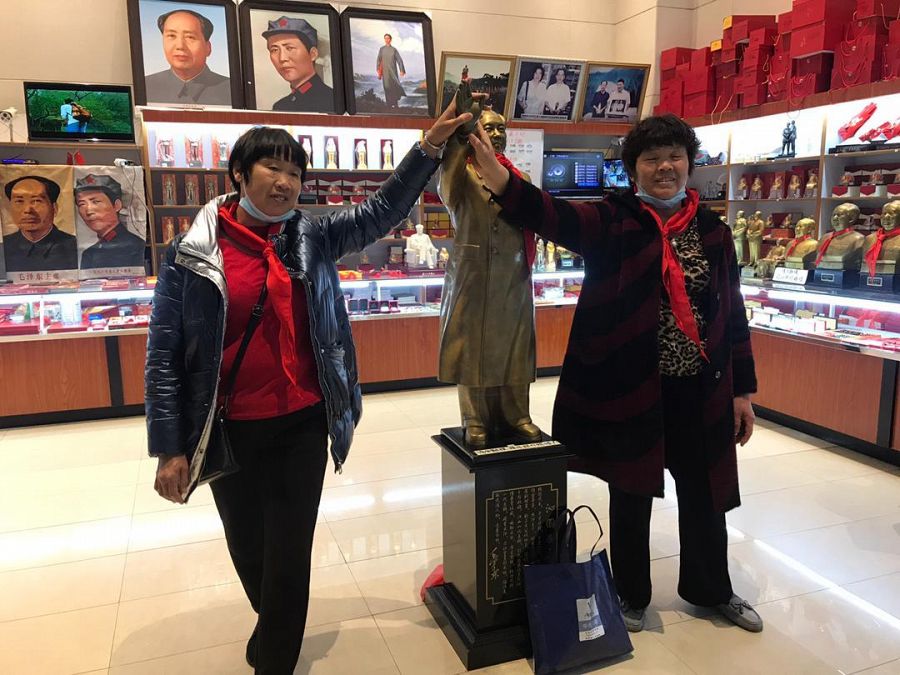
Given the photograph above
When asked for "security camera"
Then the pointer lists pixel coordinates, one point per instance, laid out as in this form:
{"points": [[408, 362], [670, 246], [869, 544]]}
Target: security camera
{"points": [[7, 115]]}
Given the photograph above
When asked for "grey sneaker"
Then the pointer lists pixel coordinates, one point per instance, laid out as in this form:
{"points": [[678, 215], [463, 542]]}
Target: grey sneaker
{"points": [[739, 612], [634, 618]]}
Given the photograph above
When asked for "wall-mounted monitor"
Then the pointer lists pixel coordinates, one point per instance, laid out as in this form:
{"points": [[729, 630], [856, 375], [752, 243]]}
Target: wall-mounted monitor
{"points": [[575, 174], [68, 112]]}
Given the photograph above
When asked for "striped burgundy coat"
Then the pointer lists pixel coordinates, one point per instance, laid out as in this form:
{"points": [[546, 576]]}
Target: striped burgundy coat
{"points": [[608, 408]]}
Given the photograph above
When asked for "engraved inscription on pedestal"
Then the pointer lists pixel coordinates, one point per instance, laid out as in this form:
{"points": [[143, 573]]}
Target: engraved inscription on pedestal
{"points": [[514, 521]]}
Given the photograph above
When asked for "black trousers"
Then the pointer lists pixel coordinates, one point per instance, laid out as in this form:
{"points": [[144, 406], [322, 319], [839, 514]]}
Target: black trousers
{"points": [[703, 573], [269, 511]]}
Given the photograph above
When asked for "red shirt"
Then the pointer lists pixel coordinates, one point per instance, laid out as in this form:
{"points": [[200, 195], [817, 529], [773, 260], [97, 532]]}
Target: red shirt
{"points": [[262, 389]]}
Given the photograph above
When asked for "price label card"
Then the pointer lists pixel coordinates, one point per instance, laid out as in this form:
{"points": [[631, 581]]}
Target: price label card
{"points": [[790, 276]]}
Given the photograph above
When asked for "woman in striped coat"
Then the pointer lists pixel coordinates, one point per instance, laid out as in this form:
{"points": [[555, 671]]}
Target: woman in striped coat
{"points": [[658, 372]]}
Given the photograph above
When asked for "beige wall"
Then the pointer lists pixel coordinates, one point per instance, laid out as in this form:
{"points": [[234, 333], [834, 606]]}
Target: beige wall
{"points": [[709, 15]]}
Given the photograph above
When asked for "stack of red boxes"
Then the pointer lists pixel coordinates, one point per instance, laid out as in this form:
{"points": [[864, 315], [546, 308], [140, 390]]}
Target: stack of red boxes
{"points": [[751, 83], [891, 66], [817, 28], [700, 84], [860, 56], [781, 65], [674, 64], [726, 93]]}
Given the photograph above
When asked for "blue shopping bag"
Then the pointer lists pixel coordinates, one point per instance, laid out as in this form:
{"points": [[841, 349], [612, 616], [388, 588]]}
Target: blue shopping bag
{"points": [[573, 607]]}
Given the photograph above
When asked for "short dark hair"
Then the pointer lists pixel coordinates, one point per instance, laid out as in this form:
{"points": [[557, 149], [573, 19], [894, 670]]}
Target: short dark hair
{"points": [[538, 68], [389, 36], [261, 142], [658, 132], [51, 187], [621, 80], [110, 194], [205, 24], [68, 100]]}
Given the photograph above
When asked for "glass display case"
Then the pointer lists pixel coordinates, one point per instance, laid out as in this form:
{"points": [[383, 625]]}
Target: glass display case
{"points": [[856, 320]]}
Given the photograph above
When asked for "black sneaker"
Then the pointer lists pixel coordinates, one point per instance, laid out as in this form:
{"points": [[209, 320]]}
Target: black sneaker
{"points": [[634, 618], [251, 648]]}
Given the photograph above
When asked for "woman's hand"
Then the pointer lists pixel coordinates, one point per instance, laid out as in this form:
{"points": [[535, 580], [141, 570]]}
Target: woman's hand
{"points": [[172, 477], [494, 174], [743, 419], [445, 125]]}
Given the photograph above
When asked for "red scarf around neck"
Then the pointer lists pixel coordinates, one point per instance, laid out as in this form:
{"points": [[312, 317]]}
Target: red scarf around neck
{"points": [[827, 242], [277, 280], [873, 253], [530, 242], [672, 274], [795, 244]]}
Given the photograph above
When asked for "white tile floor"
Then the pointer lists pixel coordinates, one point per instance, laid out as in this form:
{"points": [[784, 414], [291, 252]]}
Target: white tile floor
{"points": [[100, 575]]}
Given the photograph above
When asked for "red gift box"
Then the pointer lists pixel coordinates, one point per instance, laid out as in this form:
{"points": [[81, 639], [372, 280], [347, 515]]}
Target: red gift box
{"points": [[757, 57], [820, 37], [728, 69], [744, 25], [810, 12], [816, 64], [893, 189], [780, 65], [701, 58], [891, 66], [727, 38], [879, 8], [733, 53], [870, 27], [670, 58], [894, 32], [751, 77], [668, 75], [699, 81], [682, 69], [763, 37], [777, 88], [715, 57], [726, 94], [784, 25], [754, 95], [859, 61], [696, 105], [807, 85]]}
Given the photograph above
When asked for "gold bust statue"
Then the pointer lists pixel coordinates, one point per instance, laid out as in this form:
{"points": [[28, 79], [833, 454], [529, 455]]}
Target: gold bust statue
{"points": [[756, 188], [812, 185], [882, 248], [843, 248], [755, 235], [801, 250], [739, 233]]}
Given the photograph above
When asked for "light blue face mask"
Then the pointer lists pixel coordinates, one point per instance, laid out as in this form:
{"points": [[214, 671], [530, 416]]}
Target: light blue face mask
{"points": [[664, 204], [250, 208]]}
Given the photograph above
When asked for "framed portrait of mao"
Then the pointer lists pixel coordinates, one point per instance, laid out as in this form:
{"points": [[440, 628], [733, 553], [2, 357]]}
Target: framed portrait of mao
{"points": [[291, 54], [185, 53], [389, 62]]}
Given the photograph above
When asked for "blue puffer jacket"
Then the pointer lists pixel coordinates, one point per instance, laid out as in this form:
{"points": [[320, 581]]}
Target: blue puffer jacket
{"points": [[190, 303]]}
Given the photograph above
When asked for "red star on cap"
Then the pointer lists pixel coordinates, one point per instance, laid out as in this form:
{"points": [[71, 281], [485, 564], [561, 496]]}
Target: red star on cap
{"points": [[89, 179], [282, 22]]}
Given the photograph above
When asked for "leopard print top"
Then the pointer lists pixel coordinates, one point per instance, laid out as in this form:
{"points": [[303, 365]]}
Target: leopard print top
{"points": [[678, 355]]}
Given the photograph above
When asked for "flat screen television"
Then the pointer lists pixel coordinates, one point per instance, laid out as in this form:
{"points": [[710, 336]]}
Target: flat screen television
{"points": [[614, 174], [575, 174], [79, 112]]}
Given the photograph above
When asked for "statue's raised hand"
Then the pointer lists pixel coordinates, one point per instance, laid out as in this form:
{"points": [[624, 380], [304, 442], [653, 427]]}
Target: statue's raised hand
{"points": [[467, 102]]}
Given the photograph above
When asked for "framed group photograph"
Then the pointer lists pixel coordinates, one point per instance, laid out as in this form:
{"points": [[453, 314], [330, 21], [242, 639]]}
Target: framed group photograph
{"points": [[291, 56], [389, 58], [614, 91], [547, 89], [488, 73], [185, 53]]}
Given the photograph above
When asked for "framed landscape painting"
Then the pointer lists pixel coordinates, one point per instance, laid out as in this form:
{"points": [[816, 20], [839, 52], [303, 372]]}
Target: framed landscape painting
{"points": [[488, 73]]}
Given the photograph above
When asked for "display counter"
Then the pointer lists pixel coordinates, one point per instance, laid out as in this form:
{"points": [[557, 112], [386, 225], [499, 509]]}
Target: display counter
{"points": [[80, 355]]}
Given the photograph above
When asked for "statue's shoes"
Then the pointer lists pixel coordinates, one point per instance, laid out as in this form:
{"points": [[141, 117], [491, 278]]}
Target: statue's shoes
{"points": [[528, 431], [476, 436]]}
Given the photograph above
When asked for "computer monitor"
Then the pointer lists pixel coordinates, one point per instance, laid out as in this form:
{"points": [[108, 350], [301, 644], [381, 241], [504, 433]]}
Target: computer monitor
{"points": [[67, 112], [575, 174], [614, 174]]}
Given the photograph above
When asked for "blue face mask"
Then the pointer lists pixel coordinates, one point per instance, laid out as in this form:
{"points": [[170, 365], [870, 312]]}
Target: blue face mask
{"points": [[664, 204], [250, 208]]}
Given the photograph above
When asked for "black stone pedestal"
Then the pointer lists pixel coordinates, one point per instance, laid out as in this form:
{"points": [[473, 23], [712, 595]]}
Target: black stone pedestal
{"points": [[498, 505], [880, 283], [836, 278]]}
